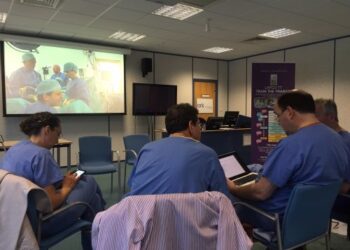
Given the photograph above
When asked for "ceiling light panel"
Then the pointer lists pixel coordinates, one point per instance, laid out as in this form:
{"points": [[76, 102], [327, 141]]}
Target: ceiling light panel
{"points": [[125, 36], [3, 17], [217, 50], [279, 33], [178, 11]]}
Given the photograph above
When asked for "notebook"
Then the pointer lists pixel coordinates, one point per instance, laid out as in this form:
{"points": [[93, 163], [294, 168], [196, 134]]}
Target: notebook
{"points": [[236, 170]]}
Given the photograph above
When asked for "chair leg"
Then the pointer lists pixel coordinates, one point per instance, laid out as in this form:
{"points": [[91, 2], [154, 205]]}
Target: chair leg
{"points": [[124, 188], [327, 241], [111, 182], [119, 183]]}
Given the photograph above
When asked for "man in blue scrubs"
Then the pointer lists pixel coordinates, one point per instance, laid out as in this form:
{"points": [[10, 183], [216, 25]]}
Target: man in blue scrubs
{"points": [[311, 154], [178, 163], [327, 113]]}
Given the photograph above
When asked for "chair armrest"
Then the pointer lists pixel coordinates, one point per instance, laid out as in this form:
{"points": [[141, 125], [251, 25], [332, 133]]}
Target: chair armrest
{"points": [[116, 152], [133, 152], [69, 207], [273, 217]]}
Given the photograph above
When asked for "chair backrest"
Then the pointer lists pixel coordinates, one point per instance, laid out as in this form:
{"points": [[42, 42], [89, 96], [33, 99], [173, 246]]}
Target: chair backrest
{"points": [[170, 221], [95, 149], [308, 213], [134, 142]]}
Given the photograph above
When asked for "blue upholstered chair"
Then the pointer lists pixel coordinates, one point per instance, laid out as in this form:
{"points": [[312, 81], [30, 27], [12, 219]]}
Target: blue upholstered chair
{"points": [[133, 145], [41, 226], [96, 157], [39, 213], [306, 217]]}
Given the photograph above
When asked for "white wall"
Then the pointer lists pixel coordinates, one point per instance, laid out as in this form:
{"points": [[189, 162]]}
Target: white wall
{"points": [[313, 68], [342, 81]]}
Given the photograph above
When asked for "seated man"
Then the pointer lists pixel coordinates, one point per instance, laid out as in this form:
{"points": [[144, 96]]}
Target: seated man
{"points": [[178, 163], [311, 154], [327, 113], [33, 160]]}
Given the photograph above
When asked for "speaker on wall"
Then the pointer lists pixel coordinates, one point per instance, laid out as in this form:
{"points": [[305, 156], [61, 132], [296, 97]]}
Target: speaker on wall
{"points": [[146, 66]]}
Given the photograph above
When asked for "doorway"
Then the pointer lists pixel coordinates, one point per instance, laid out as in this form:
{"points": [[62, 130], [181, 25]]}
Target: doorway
{"points": [[205, 97]]}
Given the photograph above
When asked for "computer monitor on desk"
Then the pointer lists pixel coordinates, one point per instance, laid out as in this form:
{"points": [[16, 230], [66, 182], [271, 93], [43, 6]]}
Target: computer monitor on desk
{"points": [[214, 123], [230, 118], [243, 121]]}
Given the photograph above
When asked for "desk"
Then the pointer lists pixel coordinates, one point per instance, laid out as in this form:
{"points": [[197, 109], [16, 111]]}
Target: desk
{"points": [[62, 143], [227, 140]]}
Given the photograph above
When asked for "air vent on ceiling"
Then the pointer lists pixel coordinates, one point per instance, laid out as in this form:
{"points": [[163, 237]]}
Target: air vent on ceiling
{"points": [[256, 39], [42, 3], [199, 3]]}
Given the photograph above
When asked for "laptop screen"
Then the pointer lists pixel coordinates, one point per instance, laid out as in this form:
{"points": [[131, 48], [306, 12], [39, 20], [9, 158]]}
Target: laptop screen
{"points": [[231, 165]]}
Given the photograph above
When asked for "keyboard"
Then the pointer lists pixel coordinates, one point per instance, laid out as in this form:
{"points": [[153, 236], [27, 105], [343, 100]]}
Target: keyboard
{"points": [[245, 179]]}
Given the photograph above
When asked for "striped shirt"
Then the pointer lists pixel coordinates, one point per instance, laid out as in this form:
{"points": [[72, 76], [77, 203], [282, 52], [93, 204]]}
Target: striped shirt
{"points": [[170, 221]]}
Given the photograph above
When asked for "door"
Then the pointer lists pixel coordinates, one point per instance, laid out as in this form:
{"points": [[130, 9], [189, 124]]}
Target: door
{"points": [[205, 98]]}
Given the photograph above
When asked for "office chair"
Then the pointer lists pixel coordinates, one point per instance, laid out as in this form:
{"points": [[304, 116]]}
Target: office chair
{"points": [[306, 217], [96, 157], [39, 215], [25, 211], [133, 145]]}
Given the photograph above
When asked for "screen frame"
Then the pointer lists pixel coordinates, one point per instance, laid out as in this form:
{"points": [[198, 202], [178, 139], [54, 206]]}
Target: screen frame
{"points": [[64, 44], [240, 161], [152, 85]]}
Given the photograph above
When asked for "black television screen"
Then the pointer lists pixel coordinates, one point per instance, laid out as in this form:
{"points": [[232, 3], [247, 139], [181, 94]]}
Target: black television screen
{"points": [[153, 99], [214, 122], [230, 118], [63, 78], [243, 121]]}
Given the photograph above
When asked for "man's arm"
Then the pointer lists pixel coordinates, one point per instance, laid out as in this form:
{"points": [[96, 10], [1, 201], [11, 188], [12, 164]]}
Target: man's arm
{"points": [[57, 197], [259, 191]]}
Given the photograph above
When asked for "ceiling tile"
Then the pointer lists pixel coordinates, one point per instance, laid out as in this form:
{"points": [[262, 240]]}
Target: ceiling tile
{"points": [[72, 18], [84, 7]]}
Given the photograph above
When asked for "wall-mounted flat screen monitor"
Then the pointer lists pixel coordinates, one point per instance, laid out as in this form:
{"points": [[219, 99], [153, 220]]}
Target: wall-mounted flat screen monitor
{"points": [[230, 118], [62, 78], [153, 99]]}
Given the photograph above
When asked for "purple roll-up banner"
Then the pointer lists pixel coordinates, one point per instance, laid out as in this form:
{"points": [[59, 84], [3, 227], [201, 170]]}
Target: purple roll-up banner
{"points": [[269, 81]]}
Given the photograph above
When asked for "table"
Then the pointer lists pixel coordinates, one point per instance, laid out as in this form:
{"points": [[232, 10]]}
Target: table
{"points": [[62, 143]]}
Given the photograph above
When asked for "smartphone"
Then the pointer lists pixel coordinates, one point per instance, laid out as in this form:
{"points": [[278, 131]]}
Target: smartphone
{"points": [[78, 173]]}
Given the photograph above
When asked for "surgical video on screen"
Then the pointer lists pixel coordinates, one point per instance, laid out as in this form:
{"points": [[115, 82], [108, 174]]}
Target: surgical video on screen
{"points": [[62, 80]]}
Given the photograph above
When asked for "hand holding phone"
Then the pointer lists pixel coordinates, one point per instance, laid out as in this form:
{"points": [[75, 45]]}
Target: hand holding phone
{"points": [[78, 173]]}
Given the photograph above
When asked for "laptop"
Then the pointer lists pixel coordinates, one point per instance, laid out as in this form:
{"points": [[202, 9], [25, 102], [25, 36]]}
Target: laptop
{"points": [[236, 170]]}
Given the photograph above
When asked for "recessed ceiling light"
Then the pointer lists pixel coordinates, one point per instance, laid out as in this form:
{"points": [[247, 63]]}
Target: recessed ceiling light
{"points": [[125, 36], [3, 17], [217, 50], [178, 11], [279, 33]]}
